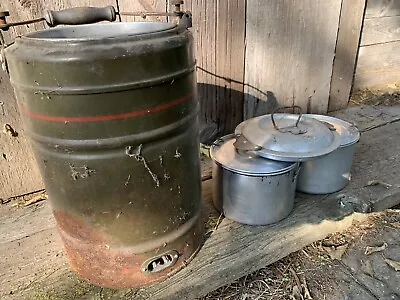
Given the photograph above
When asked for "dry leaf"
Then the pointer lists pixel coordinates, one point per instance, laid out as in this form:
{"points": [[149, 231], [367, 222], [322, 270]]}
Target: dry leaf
{"points": [[371, 249], [394, 264], [336, 252], [379, 182]]}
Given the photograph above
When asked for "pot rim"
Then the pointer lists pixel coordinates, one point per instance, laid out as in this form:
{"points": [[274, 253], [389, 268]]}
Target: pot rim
{"points": [[290, 155], [226, 138], [239, 172], [339, 122]]}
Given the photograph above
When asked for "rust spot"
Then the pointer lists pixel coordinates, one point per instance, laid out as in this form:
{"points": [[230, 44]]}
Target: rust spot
{"points": [[118, 267], [80, 229]]}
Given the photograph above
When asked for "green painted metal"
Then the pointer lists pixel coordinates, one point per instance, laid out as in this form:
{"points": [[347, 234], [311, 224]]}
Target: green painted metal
{"points": [[111, 110]]}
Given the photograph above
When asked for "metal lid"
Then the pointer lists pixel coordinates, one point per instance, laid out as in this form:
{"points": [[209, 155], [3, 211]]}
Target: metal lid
{"points": [[289, 137], [245, 162], [100, 31], [349, 133]]}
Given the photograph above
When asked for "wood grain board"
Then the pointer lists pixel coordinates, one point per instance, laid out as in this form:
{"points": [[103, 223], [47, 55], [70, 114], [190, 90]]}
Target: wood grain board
{"points": [[219, 32], [289, 62], [34, 265], [378, 67], [382, 8], [381, 30], [18, 171], [344, 64]]}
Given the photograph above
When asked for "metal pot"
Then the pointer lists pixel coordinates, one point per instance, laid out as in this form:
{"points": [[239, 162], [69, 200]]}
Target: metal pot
{"points": [[288, 137], [250, 189], [330, 173]]}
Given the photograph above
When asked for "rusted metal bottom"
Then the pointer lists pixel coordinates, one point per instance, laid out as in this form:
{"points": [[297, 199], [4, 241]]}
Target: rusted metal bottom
{"points": [[119, 267]]}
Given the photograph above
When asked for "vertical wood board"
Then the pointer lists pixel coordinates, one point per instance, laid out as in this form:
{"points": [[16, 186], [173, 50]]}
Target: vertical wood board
{"points": [[344, 64], [219, 32], [290, 48]]}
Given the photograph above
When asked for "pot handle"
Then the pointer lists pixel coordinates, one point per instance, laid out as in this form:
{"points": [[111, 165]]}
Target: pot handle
{"points": [[80, 15], [286, 107], [242, 144]]}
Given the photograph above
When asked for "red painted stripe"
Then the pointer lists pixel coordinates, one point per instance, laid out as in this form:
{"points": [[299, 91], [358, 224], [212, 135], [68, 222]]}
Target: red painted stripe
{"points": [[88, 119]]}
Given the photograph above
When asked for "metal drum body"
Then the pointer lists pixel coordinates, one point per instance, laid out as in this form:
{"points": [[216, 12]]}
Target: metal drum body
{"points": [[111, 111]]}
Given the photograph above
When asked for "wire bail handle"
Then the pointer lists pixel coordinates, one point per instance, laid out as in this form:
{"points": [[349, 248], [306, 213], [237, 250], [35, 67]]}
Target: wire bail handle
{"points": [[292, 129]]}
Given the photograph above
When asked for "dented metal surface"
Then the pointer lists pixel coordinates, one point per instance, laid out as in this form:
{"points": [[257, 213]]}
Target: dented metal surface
{"points": [[114, 129]]}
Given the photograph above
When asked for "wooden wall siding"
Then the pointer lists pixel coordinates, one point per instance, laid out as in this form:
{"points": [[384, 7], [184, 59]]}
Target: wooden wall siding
{"points": [[290, 47], [378, 65], [219, 32], [382, 8], [344, 64], [381, 30], [18, 170]]}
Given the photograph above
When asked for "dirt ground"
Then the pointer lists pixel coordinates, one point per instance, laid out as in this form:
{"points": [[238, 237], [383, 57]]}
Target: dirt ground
{"points": [[370, 97], [360, 263]]}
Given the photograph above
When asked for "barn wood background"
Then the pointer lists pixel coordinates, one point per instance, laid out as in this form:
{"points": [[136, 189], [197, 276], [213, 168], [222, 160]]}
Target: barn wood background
{"points": [[252, 55], [378, 64]]}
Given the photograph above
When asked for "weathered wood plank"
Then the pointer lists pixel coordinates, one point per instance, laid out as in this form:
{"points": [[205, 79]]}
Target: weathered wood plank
{"points": [[290, 47], [367, 117], [18, 171], [344, 64], [219, 30], [34, 267], [230, 63], [380, 30], [143, 6], [378, 66], [382, 8]]}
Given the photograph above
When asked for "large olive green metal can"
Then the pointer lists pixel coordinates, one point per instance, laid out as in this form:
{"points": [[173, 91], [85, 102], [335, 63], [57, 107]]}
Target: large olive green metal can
{"points": [[111, 111]]}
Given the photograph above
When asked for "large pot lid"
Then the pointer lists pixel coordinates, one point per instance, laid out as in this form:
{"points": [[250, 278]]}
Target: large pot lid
{"points": [[349, 133], [291, 138], [245, 162]]}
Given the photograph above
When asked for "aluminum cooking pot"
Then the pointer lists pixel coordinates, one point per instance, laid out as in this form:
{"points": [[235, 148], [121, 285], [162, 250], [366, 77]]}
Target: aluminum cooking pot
{"points": [[248, 188], [288, 137], [330, 173]]}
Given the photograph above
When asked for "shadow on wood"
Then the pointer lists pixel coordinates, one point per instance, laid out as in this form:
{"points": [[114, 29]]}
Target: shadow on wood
{"points": [[217, 126]]}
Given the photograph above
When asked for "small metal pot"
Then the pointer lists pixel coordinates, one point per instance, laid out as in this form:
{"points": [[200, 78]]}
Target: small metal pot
{"points": [[250, 189], [330, 173]]}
